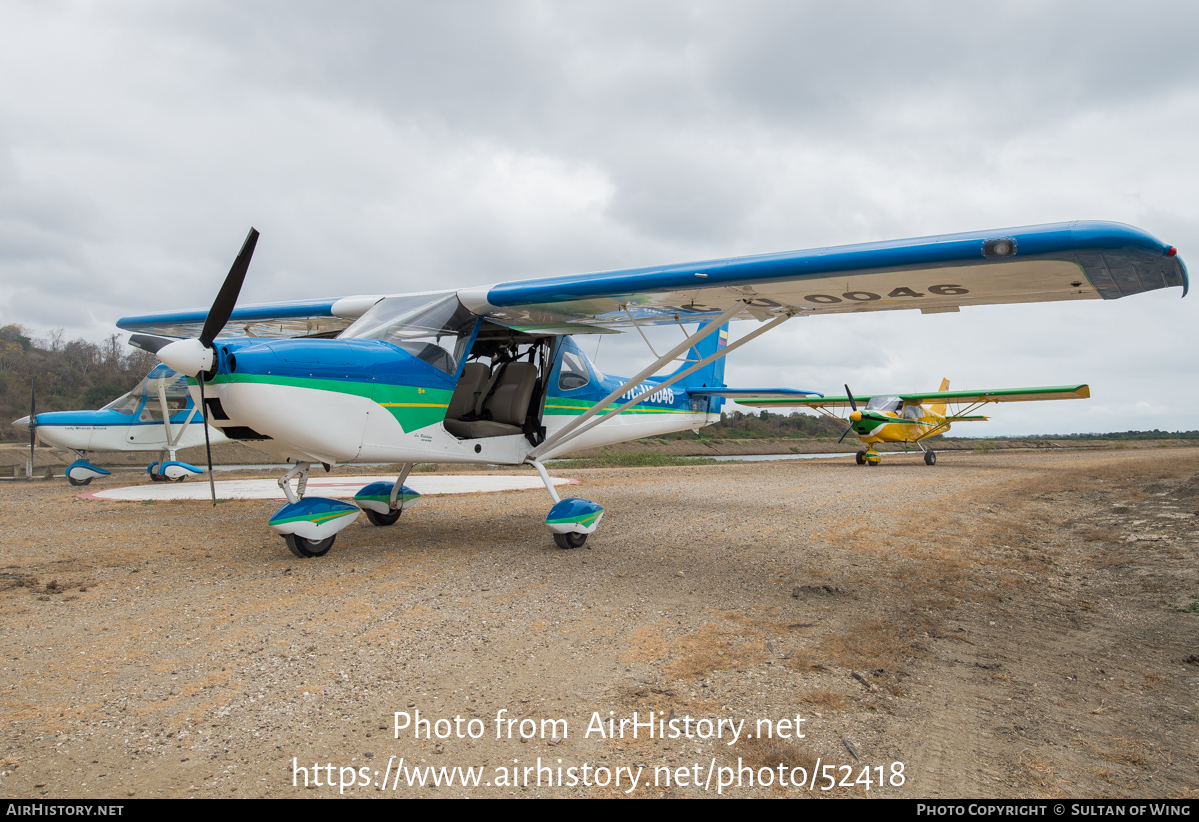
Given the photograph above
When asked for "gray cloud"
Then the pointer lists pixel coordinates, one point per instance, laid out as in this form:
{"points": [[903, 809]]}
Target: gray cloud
{"points": [[387, 147]]}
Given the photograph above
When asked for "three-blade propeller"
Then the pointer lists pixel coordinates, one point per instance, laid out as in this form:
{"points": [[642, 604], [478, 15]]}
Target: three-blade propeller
{"points": [[197, 357]]}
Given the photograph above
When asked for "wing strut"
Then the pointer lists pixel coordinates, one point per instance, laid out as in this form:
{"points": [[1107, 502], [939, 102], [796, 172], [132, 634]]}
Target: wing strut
{"points": [[658, 364], [571, 431]]}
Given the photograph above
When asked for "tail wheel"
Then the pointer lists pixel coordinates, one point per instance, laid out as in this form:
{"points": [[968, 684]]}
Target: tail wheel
{"points": [[570, 540], [382, 519], [861, 457], [308, 548]]}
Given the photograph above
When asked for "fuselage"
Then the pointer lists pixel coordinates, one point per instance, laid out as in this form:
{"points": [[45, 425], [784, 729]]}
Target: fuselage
{"points": [[895, 421], [135, 426], [366, 400]]}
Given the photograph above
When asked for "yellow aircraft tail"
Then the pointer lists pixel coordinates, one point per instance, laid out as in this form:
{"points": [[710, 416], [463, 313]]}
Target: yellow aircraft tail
{"points": [[939, 408]]}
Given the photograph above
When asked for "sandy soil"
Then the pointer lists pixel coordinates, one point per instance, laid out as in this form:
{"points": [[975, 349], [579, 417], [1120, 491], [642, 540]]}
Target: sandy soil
{"points": [[1003, 625]]}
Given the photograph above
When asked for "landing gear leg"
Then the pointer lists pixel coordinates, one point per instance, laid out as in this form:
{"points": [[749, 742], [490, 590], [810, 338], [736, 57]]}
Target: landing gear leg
{"points": [[300, 468], [930, 457]]}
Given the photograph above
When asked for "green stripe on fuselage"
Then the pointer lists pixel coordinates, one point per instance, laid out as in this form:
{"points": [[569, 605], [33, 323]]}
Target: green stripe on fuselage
{"points": [[415, 407], [412, 407], [561, 407]]}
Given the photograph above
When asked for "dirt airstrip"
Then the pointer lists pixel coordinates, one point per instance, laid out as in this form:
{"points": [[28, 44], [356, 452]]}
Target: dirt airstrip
{"points": [[999, 625]]}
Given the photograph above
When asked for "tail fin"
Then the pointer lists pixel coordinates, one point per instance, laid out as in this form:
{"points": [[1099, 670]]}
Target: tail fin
{"points": [[939, 408], [712, 374]]}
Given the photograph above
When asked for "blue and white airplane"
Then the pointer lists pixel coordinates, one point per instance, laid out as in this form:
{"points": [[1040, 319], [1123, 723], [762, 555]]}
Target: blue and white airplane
{"points": [[157, 415], [491, 374]]}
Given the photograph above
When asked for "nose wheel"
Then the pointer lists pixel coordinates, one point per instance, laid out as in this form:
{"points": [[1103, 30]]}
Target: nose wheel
{"points": [[571, 540], [307, 548], [382, 519]]}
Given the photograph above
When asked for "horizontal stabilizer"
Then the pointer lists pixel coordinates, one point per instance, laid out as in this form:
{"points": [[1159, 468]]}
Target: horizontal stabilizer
{"points": [[743, 394]]}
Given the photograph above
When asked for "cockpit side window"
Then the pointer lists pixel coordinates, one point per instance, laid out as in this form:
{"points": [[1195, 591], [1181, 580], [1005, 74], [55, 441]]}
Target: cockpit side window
{"points": [[153, 409], [574, 372], [912, 411]]}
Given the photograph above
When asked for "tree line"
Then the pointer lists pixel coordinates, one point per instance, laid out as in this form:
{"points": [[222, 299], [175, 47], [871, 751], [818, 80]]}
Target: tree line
{"points": [[66, 375]]}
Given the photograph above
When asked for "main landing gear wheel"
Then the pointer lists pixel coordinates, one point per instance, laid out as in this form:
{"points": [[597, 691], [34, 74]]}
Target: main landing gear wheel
{"points": [[930, 458], [307, 548], [382, 519], [571, 540], [74, 481], [860, 457]]}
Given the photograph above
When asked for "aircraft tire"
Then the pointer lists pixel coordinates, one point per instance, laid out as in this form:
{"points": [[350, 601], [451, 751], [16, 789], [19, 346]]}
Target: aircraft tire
{"points": [[861, 457], [306, 548], [76, 482], [930, 458], [568, 541], [382, 519]]}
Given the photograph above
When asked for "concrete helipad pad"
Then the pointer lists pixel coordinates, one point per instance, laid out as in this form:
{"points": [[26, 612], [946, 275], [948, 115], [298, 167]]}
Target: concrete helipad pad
{"points": [[320, 487]]}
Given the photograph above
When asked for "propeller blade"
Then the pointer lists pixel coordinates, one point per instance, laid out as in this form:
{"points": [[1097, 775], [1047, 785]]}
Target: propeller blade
{"points": [[149, 342], [226, 298], [852, 403], [207, 444], [32, 420], [844, 434]]}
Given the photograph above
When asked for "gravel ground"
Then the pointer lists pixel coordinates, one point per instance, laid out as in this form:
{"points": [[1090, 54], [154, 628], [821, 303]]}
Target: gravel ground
{"points": [[1000, 625]]}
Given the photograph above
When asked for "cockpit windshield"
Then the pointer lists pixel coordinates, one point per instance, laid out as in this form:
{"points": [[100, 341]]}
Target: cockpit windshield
{"points": [[174, 383], [434, 328], [884, 404]]}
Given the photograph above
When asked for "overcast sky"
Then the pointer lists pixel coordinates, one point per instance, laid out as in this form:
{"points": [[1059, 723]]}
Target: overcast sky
{"points": [[387, 147]]}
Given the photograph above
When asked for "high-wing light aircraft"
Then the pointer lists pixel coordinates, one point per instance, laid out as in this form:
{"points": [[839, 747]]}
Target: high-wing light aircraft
{"points": [[157, 415], [910, 418], [491, 374]]}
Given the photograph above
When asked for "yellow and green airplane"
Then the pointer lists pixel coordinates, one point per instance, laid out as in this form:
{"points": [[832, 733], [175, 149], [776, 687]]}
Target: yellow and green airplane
{"points": [[910, 418]]}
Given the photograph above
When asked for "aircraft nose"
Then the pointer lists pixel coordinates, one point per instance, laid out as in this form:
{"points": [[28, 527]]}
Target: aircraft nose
{"points": [[856, 416]]}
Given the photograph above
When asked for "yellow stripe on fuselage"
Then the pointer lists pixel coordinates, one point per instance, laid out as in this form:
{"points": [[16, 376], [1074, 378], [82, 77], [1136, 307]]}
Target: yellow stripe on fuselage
{"points": [[414, 404], [634, 410]]}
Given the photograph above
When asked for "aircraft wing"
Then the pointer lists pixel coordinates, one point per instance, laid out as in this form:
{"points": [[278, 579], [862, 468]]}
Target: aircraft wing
{"points": [[1054, 392], [1061, 261], [297, 318]]}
